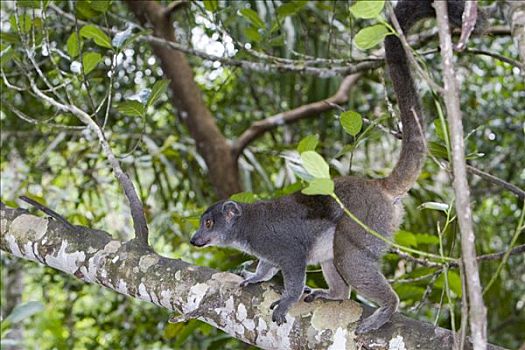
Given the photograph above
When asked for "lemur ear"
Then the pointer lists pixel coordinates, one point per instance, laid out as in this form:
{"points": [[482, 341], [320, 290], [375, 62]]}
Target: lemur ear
{"points": [[230, 210]]}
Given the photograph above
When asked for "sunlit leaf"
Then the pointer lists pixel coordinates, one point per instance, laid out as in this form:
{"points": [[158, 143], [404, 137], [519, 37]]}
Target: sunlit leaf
{"points": [[309, 143], [319, 186], [315, 165], [243, 197], [73, 45], [352, 122], [367, 8], [405, 238], [131, 108], [100, 38], [369, 37], [90, 61], [211, 5]]}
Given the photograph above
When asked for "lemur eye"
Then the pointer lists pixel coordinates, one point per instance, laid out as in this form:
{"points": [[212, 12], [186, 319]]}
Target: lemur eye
{"points": [[208, 223]]}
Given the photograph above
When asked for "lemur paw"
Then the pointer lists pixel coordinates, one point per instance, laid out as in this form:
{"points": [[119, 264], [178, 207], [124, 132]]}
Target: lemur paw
{"points": [[279, 314], [250, 280]]}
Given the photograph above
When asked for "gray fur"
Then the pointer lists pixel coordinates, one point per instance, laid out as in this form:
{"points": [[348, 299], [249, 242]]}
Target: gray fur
{"points": [[292, 231]]}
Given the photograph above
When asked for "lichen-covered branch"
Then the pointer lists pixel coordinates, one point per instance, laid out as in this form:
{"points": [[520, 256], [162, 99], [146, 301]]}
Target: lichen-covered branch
{"points": [[199, 292]]}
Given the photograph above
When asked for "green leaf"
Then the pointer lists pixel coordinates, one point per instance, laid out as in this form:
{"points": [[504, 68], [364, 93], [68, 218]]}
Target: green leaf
{"points": [[252, 34], [131, 108], [370, 36], [253, 17], [24, 21], [309, 143], [408, 292], [243, 197], [211, 5], [6, 56], [405, 238], [73, 45], [439, 129], [157, 90], [319, 186], [352, 122], [315, 165], [367, 9], [90, 61], [100, 38], [25, 310], [84, 10], [434, 206], [454, 282], [425, 238], [438, 150], [290, 8], [99, 5], [28, 3]]}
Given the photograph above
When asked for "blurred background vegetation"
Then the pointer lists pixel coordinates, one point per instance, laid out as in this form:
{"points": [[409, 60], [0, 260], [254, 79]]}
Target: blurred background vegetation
{"points": [[64, 167]]}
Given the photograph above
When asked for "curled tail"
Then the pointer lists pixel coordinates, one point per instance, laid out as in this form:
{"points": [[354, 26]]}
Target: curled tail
{"points": [[413, 149]]}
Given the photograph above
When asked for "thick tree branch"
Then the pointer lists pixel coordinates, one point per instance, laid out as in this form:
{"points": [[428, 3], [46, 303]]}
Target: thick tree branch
{"points": [[187, 98], [313, 109], [137, 209], [477, 310], [199, 292]]}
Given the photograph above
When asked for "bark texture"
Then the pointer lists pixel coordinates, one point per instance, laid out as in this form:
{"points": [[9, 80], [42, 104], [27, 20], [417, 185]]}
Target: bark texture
{"points": [[477, 310], [198, 292], [516, 19]]}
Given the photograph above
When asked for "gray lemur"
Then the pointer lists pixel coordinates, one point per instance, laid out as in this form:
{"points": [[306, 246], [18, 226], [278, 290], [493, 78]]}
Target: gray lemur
{"points": [[294, 231]]}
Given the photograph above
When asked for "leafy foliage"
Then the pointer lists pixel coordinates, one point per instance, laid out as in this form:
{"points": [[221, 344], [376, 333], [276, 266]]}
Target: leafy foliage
{"points": [[123, 88]]}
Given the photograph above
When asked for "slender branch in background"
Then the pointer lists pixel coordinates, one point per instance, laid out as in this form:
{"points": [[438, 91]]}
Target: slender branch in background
{"points": [[496, 180], [313, 109], [477, 310], [175, 6], [497, 56], [136, 206]]}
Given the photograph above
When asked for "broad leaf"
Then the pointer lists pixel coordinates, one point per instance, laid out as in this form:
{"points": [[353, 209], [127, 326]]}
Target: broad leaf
{"points": [[99, 37], [73, 45], [315, 165], [351, 122], [369, 37], [253, 17], [243, 197], [290, 8], [309, 143], [131, 108], [25, 310], [157, 90], [367, 9], [90, 61], [319, 186], [405, 238]]}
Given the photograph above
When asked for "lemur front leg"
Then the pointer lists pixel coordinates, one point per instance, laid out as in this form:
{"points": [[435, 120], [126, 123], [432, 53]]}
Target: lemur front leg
{"points": [[294, 277], [264, 272]]}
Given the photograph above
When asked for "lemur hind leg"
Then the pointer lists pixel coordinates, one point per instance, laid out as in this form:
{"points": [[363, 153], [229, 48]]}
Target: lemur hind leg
{"points": [[356, 258], [337, 287]]}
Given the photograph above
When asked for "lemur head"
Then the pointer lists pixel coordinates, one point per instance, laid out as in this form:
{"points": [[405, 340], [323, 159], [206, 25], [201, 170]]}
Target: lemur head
{"points": [[217, 224]]}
